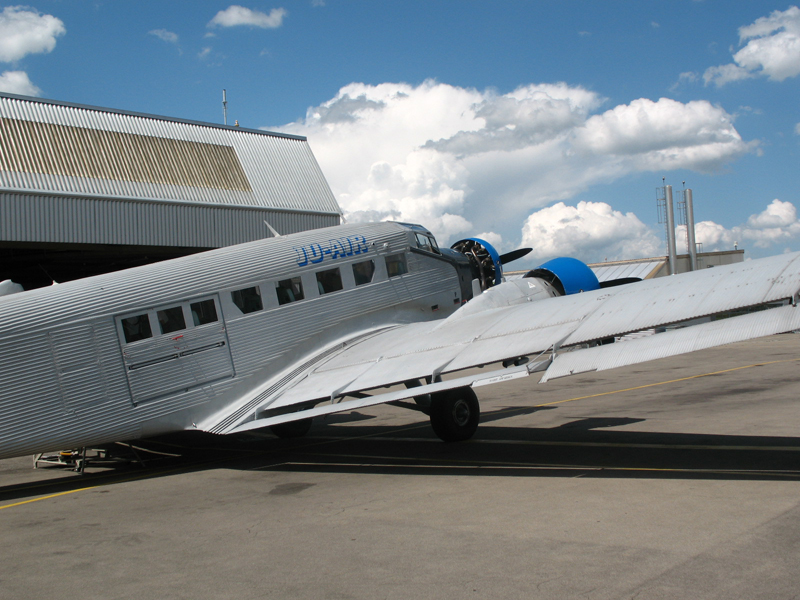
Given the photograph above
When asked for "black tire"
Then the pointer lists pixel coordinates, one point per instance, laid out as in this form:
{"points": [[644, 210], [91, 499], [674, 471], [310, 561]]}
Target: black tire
{"points": [[455, 414], [293, 429]]}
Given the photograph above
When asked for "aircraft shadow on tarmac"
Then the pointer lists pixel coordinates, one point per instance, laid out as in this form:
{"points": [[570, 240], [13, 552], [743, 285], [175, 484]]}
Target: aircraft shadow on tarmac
{"points": [[582, 448]]}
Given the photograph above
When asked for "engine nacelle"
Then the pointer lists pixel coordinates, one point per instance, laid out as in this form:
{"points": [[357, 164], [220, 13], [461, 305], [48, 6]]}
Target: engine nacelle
{"points": [[557, 277], [566, 275]]}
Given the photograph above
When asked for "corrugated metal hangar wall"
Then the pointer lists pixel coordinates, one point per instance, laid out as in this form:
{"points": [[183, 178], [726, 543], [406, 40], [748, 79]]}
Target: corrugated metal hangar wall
{"points": [[87, 190]]}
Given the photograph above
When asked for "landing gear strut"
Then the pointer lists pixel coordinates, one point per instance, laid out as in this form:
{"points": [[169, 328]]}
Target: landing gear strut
{"points": [[455, 414]]}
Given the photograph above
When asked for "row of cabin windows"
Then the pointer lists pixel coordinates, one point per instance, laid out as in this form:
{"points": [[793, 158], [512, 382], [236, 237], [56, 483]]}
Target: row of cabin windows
{"points": [[249, 300], [328, 281], [170, 320]]}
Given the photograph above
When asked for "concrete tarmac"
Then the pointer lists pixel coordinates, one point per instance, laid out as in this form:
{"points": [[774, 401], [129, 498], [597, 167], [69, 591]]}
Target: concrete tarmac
{"points": [[673, 479]]}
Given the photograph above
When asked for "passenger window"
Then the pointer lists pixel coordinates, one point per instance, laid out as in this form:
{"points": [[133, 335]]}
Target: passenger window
{"points": [[396, 265], [248, 300], [136, 328], [289, 290], [363, 272], [329, 281], [171, 319], [203, 312]]}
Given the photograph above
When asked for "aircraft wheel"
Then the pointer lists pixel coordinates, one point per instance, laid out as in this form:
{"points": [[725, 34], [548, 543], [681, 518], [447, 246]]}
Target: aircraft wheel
{"points": [[455, 414], [293, 429]]}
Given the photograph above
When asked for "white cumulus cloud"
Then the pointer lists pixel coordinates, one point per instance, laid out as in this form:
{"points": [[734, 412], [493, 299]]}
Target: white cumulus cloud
{"points": [[460, 160], [662, 135], [772, 50], [17, 82], [592, 231], [165, 35], [776, 224], [236, 15], [26, 31]]}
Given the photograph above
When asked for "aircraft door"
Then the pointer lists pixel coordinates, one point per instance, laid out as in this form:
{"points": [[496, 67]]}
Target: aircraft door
{"points": [[175, 348]]}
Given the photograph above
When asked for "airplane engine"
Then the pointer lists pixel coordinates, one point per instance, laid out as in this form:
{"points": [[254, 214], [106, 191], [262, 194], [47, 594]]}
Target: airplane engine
{"points": [[566, 275], [484, 261]]}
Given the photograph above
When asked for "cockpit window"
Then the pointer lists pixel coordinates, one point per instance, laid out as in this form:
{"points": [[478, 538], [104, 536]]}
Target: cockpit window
{"points": [[396, 265], [289, 290], [427, 243]]}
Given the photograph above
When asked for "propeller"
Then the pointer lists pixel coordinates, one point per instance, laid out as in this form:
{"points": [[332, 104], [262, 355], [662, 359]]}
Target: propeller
{"points": [[483, 259], [485, 262], [514, 255]]}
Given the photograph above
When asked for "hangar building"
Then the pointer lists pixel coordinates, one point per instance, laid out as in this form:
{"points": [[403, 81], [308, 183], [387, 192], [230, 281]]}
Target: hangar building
{"points": [[648, 268], [87, 190]]}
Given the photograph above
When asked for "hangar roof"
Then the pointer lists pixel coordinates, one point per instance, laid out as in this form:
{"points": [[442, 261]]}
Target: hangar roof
{"points": [[642, 269], [58, 147]]}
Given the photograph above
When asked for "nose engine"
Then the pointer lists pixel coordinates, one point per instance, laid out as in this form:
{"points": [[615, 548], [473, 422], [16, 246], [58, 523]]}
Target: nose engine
{"points": [[485, 263]]}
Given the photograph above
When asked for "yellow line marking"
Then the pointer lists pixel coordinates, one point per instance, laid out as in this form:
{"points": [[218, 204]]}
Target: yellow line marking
{"points": [[147, 475], [47, 497], [253, 453]]}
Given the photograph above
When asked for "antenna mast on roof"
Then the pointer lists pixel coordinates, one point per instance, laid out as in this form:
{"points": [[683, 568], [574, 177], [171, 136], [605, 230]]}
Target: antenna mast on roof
{"points": [[667, 215], [686, 210], [225, 106]]}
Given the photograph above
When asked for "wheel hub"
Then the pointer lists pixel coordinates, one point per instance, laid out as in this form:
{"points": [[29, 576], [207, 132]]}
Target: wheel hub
{"points": [[461, 413]]}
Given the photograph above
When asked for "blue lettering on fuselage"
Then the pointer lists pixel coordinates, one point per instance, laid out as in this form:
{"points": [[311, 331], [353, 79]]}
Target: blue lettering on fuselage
{"points": [[337, 248]]}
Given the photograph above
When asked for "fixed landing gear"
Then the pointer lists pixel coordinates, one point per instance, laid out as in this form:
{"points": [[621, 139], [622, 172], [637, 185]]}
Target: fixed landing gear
{"points": [[293, 429], [455, 414]]}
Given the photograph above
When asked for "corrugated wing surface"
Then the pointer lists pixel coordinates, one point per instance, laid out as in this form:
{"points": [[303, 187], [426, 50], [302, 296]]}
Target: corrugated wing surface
{"points": [[679, 341], [481, 337]]}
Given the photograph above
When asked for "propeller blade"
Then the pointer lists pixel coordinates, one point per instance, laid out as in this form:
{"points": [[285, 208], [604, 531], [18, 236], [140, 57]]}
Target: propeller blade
{"points": [[616, 282], [513, 255]]}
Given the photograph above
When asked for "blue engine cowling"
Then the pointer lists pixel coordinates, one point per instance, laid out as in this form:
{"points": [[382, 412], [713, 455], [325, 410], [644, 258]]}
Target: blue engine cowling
{"points": [[567, 275]]}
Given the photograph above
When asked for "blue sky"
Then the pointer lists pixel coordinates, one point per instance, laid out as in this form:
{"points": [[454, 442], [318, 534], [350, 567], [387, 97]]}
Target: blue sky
{"points": [[545, 124]]}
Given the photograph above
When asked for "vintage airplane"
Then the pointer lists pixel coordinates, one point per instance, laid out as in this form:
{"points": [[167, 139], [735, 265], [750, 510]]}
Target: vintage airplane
{"points": [[274, 332]]}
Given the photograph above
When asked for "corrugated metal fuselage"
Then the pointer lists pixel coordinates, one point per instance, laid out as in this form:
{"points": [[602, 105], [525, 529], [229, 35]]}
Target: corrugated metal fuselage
{"points": [[76, 368]]}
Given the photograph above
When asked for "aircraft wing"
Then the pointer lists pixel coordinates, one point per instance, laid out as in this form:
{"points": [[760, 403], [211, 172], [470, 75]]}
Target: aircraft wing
{"points": [[554, 335]]}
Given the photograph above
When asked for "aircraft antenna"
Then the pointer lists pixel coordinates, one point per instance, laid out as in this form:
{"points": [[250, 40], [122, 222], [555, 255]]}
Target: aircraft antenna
{"points": [[272, 229]]}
